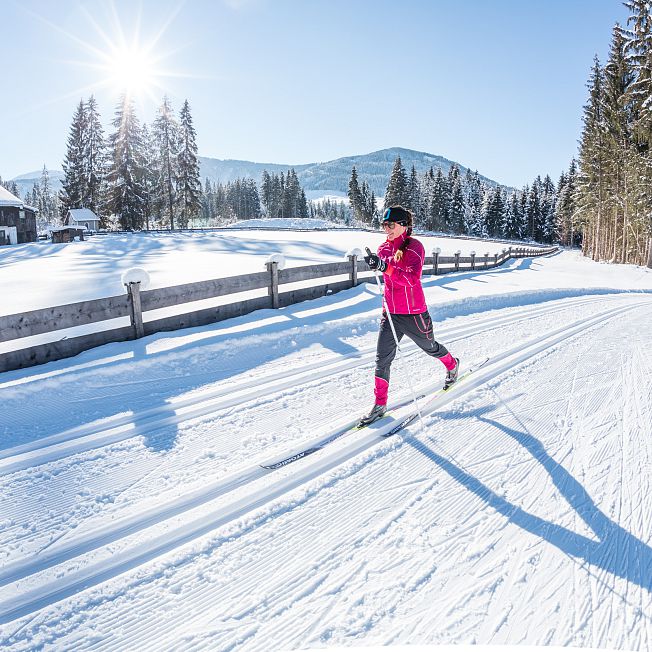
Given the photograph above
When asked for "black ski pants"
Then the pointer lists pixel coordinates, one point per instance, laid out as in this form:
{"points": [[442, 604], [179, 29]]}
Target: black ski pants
{"points": [[417, 327]]}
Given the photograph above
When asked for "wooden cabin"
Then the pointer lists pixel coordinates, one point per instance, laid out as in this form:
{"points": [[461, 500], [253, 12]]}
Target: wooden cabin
{"points": [[83, 217], [17, 221]]}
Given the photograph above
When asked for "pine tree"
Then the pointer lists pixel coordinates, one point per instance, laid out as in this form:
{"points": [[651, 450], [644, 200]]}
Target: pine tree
{"points": [[45, 201], [565, 220], [618, 76], [302, 208], [533, 214], [397, 188], [413, 195], [188, 181], [73, 188], [439, 204], [355, 195], [456, 208], [638, 46], [474, 197], [94, 159], [126, 193], [494, 213], [150, 176], [266, 188], [165, 133], [548, 222], [591, 181], [513, 224]]}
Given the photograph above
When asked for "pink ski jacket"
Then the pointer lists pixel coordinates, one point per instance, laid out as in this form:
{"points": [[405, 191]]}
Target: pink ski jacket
{"points": [[403, 291]]}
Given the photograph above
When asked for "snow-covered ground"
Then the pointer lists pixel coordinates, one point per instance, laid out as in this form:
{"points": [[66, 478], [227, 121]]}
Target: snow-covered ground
{"points": [[135, 513]]}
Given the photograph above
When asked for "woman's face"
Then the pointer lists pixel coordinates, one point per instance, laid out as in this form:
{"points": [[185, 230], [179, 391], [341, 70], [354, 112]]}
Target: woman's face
{"points": [[394, 230]]}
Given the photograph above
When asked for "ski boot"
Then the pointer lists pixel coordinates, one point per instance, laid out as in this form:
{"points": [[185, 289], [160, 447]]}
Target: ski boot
{"points": [[377, 412], [451, 375]]}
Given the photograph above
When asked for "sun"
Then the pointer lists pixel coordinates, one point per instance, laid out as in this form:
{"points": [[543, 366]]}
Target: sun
{"points": [[131, 71]]}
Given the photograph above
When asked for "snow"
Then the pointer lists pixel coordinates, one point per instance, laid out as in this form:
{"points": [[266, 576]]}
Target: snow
{"points": [[9, 199], [135, 513]]}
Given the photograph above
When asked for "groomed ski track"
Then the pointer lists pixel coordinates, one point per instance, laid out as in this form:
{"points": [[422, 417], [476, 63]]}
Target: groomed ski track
{"points": [[156, 532]]}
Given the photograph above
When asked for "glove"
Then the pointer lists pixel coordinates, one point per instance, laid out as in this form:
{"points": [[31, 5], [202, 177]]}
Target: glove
{"points": [[375, 262]]}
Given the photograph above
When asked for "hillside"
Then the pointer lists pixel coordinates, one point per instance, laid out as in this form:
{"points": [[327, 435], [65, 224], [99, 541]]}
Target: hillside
{"points": [[26, 182], [317, 179], [332, 177]]}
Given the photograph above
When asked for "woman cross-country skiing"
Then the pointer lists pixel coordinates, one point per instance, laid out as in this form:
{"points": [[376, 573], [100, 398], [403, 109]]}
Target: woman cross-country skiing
{"points": [[400, 258]]}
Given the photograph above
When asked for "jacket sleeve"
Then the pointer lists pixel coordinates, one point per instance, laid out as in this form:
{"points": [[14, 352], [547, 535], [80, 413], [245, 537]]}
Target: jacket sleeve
{"points": [[407, 271]]}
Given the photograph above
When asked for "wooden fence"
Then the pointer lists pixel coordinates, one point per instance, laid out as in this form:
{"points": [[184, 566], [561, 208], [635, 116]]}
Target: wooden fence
{"points": [[135, 303]]}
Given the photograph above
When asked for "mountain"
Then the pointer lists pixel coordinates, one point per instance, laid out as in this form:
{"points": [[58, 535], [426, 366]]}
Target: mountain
{"points": [[332, 177], [317, 179], [25, 182]]}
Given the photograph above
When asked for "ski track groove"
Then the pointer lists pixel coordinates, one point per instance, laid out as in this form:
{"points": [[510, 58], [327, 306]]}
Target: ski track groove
{"points": [[62, 504], [256, 387]]}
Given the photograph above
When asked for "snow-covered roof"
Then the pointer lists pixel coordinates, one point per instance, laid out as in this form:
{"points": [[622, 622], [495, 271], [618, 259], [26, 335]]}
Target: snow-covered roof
{"points": [[82, 214], [75, 227], [9, 199]]}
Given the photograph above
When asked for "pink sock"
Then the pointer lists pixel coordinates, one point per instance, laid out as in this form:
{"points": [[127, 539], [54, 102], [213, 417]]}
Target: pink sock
{"points": [[381, 389], [448, 361]]}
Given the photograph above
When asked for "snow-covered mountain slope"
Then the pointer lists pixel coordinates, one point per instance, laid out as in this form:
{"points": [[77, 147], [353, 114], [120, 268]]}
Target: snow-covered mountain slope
{"points": [[135, 511]]}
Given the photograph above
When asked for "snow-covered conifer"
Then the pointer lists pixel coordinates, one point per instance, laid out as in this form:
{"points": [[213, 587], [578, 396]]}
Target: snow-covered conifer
{"points": [[188, 180], [126, 196], [165, 134]]}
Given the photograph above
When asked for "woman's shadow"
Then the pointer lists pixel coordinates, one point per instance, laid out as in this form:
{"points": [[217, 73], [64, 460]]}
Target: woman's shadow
{"points": [[614, 549]]}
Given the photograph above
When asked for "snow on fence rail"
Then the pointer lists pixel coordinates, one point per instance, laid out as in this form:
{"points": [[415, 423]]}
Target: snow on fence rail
{"points": [[136, 302]]}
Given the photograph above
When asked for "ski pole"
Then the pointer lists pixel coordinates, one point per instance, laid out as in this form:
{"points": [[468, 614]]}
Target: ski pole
{"points": [[398, 347]]}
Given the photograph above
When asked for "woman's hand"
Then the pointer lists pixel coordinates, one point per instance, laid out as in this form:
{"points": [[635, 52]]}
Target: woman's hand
{"points": [[375, 262]]}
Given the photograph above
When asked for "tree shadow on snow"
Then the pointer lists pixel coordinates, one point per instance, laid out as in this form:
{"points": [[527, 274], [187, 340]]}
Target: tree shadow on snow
{"points": [[614, 549]]}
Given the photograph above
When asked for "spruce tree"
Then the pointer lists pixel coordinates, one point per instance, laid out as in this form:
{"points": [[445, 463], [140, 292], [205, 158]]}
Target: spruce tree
{"points": [[533, 213], [413, 195], [548, 223], [440, 202], [456, 207], [46, 200], [266, 192], [397, 188], [512, 225], [165, 133], [591, 178], [188, 181], [94, 159], [638, 46], [355, 195], [150, 177], [618, 77], [126, 193], [494, 213], [474, 196], [73, 188]]}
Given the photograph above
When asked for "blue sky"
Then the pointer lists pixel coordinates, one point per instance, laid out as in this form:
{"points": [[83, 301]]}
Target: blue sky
{"points": [[497, 85]]}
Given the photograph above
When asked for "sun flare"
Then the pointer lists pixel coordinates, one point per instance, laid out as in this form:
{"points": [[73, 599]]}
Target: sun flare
{"points": [[131, 71]]}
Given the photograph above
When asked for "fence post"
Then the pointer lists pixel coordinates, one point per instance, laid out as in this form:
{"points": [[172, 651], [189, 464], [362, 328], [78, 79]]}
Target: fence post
{"points": [[135, 309], [473, 260], [273, 283], [509, 251], [353, 275], [435, 263], [457, 260], [649, 253], [486, 260], [495, 260]]}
